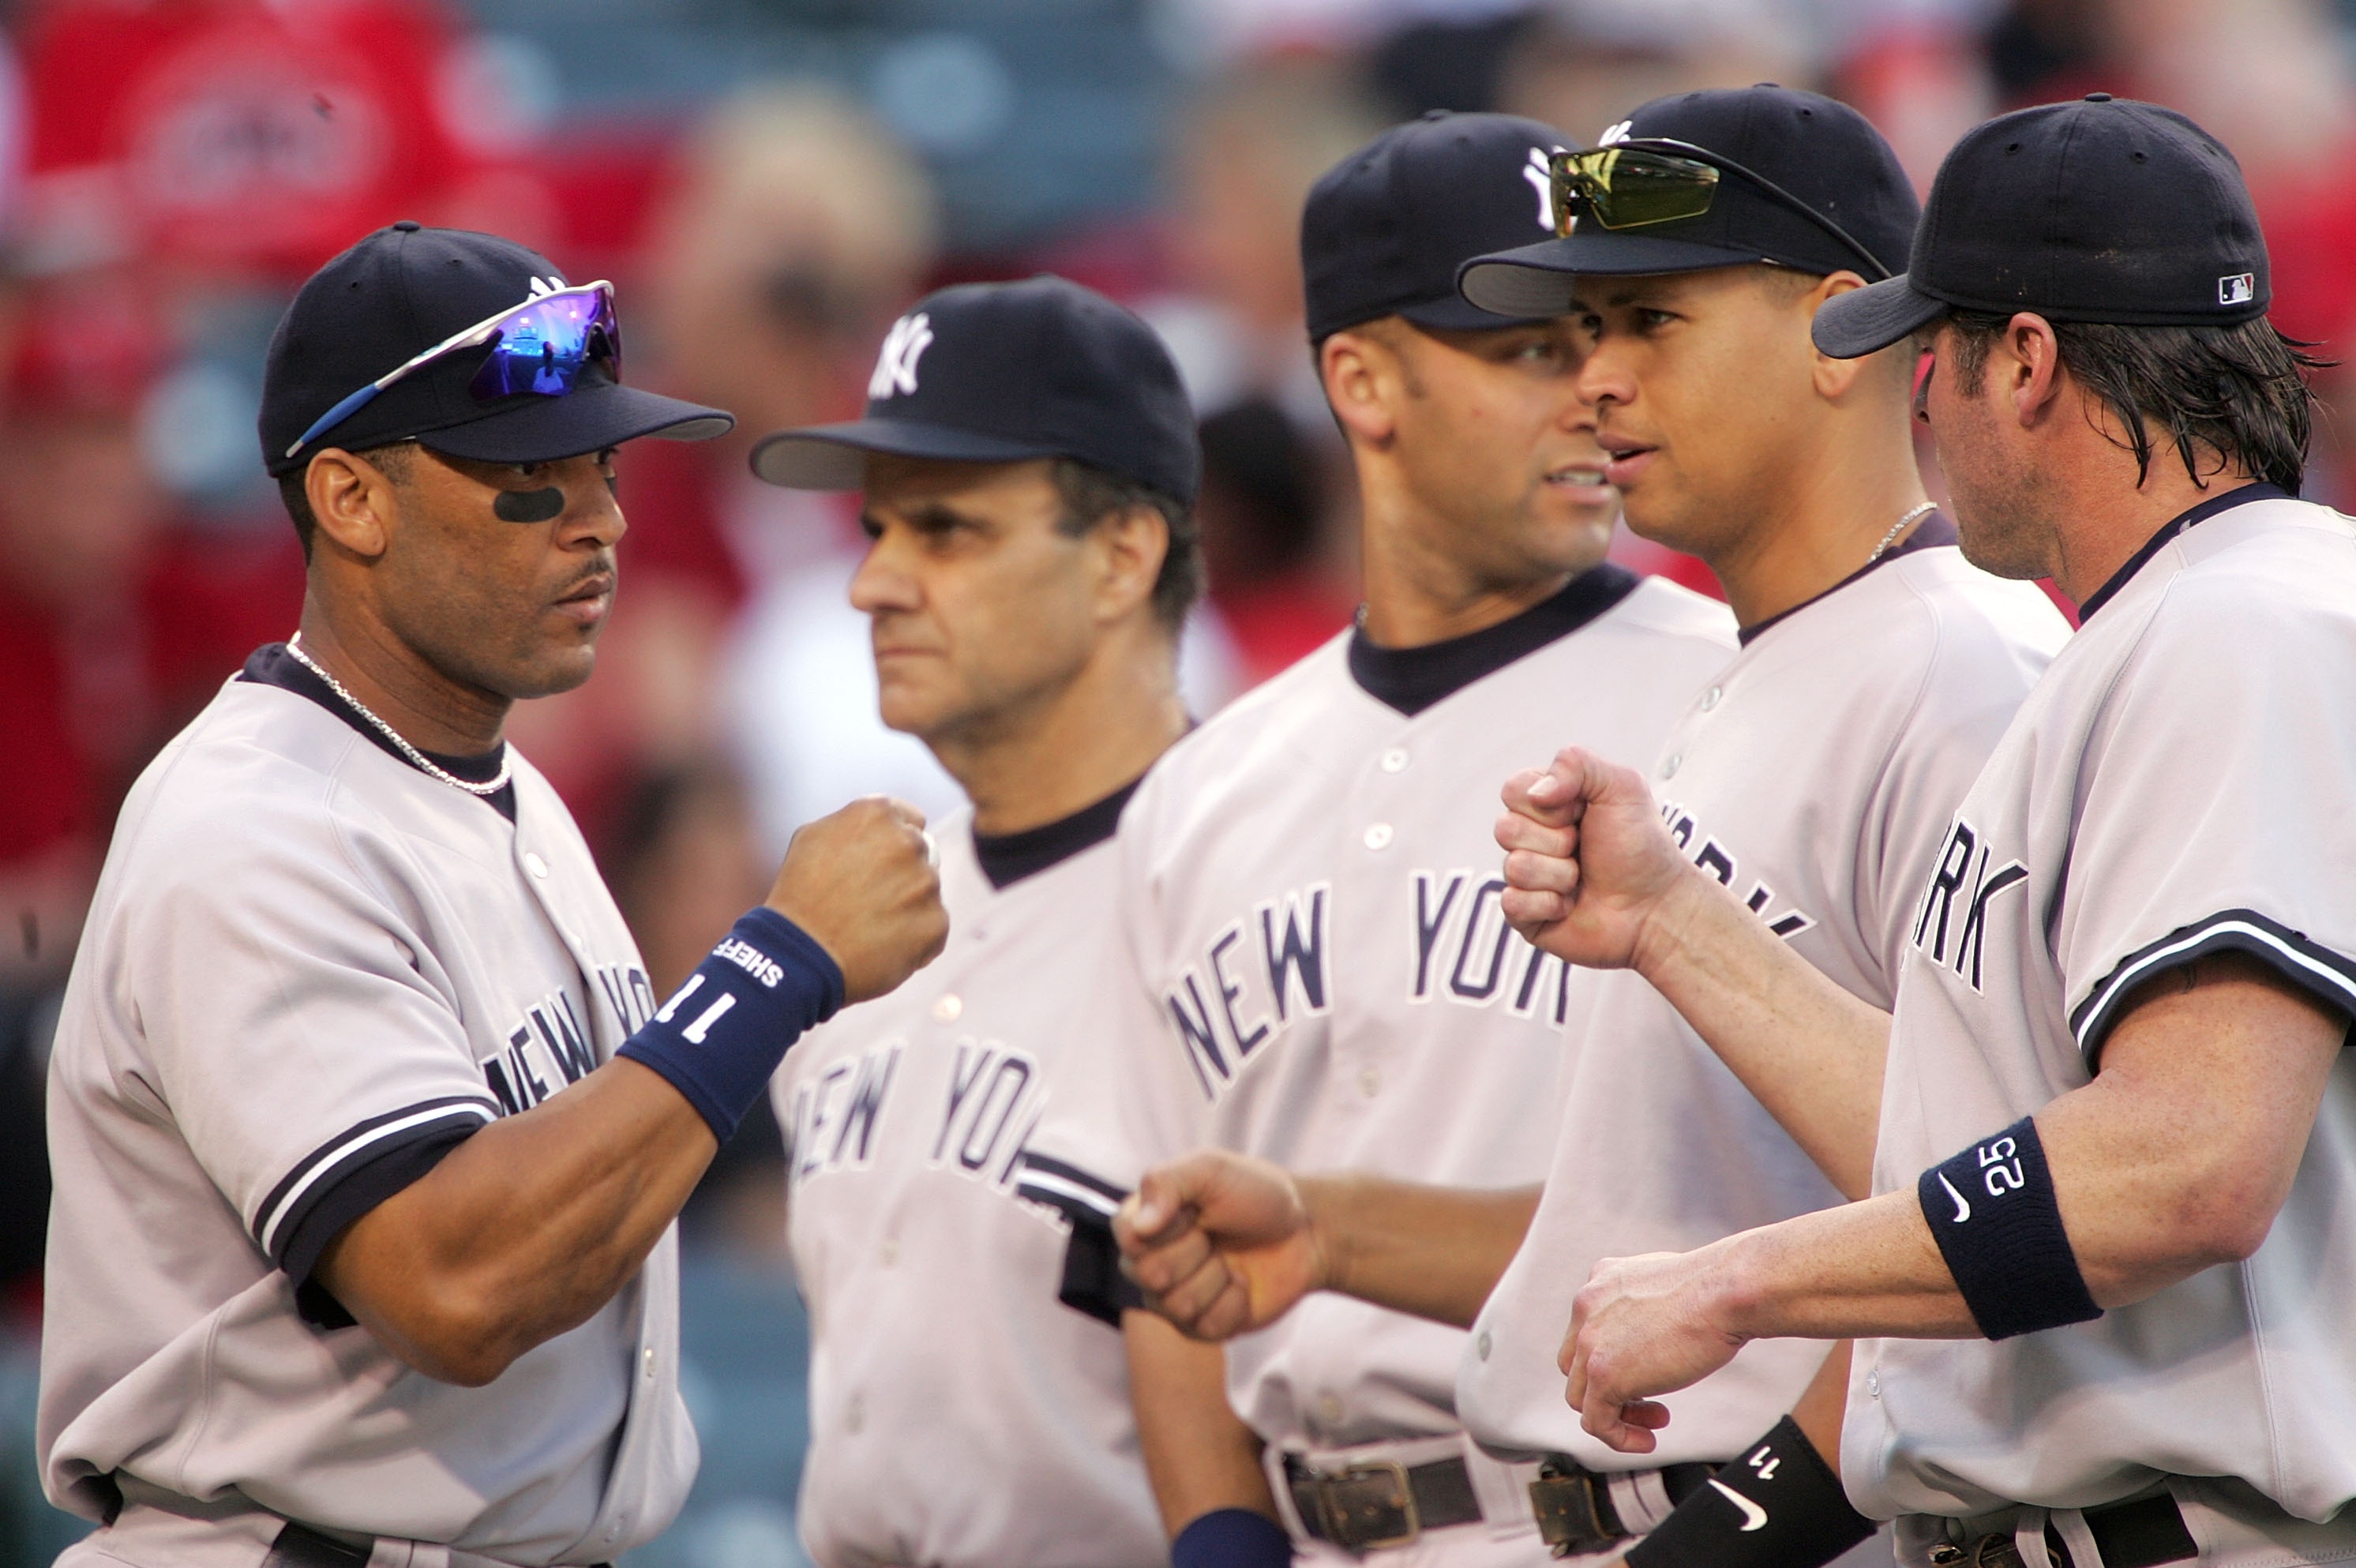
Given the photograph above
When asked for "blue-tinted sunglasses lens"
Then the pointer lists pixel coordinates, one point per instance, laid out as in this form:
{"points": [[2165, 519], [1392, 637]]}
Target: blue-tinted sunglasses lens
{"points": [[541, 347]]}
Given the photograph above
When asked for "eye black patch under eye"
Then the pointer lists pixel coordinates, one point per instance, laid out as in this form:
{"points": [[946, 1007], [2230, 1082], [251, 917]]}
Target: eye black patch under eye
{"points": [[529, 506]]}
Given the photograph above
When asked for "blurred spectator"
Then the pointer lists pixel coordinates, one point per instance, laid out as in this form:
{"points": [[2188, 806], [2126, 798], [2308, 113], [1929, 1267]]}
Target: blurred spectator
{"points": [[1596, 59], [1245, 150], [78, 711], [799, 230], [1261, 510], [1244, 154], [244, 135]]}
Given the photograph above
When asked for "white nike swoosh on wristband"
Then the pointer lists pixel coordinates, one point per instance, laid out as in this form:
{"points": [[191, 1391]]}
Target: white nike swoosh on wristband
{"points": [[1753, 1515], [1963, 1209]]}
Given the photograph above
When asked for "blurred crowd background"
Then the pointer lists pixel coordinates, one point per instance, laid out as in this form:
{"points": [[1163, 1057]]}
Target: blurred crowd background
{"points": [[768, 182]]}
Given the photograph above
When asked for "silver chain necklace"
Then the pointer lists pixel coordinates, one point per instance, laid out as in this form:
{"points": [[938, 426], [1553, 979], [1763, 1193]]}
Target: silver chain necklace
{"points": [[1888, 539], [422, 763]]}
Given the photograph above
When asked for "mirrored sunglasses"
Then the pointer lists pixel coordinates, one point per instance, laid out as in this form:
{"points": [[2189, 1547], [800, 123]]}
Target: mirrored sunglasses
{"points": [[1636, 187], [540, 346]]}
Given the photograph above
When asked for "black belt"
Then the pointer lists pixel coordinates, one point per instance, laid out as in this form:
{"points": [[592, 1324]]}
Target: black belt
{"points": [[299, 1546], [2144, 1533], [1573, 1504], [1381, 1502]]}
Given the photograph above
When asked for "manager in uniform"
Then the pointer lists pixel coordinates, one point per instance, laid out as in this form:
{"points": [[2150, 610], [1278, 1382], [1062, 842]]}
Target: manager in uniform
{"points": [[367, 1129], [1029, 465], [2101, 1294]]}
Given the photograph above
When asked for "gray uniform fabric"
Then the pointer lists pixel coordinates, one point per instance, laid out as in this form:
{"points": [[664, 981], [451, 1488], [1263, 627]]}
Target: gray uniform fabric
{"points": [[1815, 775], [1320, 974], [960, 1415], [2180, 782], [307, 962]]}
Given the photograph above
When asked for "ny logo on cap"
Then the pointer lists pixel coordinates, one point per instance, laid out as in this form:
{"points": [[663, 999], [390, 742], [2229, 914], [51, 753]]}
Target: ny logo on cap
{"points": [[2239, 289], [1540, 175], [1615, 134], [895, 367]]}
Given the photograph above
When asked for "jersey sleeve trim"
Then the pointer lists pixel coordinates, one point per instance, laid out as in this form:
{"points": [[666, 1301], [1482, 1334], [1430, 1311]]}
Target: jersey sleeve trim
{"points": [[319, 1172], [2328, 976], [388, 1168], [1063, 1187], [1092, 1282]]}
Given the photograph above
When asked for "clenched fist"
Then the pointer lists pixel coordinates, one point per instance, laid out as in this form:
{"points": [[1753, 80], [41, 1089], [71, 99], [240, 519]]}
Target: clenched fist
{"points": [[1220, 1243], [861, 883]]}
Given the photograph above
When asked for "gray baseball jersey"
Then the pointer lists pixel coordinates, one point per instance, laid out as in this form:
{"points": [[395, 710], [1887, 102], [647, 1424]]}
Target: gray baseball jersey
{"points": [[309, 970], [1815, 776], [1325, 977], [2180, 784], [958, 1414]]}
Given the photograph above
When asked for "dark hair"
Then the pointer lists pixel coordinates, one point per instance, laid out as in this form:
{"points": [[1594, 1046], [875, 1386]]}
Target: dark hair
{"points": [[1091, 494], [392, 459], [2241, 390]]}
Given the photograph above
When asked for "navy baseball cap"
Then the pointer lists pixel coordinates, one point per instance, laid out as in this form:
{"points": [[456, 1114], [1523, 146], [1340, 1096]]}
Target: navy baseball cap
{"points": [[1385, 230], [396, 294], [1002, 373], [1804, 182], [2102, 209]]}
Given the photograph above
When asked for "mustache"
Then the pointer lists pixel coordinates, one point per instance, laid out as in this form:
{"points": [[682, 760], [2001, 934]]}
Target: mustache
{"points": [[603, 566]]}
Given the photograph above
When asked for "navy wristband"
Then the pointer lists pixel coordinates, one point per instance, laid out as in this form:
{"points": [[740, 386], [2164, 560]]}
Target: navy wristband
{"points": [[725, 1030], [1992, 1211], [1232, 1538], [1778, 1506]]}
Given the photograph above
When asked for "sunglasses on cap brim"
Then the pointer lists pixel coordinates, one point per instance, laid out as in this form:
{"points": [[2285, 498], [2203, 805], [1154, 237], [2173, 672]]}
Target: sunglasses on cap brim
{"points": [[540, 346], [1636, 185]]}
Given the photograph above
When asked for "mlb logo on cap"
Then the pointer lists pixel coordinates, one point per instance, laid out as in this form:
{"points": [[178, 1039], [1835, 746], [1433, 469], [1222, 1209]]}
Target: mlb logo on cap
{"points": [[2240, 288]]}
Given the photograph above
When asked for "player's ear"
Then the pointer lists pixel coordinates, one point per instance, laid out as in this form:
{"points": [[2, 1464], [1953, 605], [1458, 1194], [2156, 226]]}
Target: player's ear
{"points": [[1360, 373], [1130, 545], [1838, 379], [2026, 367], [352, 501]]}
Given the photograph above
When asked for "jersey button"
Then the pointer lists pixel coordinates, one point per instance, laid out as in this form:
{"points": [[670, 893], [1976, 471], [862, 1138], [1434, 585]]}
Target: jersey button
{"points": [[1329, 1410], [1370, 1082], [947, 1007], [1378, 837], [1394, 760], [1709, 698], [1669, 769], [888, 1252], [650, 1363], [854, 1415], [534, 864], [1481, 1346], [1873, 1383]]}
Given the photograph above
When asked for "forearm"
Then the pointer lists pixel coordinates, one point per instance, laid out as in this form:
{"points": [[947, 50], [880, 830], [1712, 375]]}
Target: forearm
{"points": [[1861, 1270], [1811, 1053], [1199, 1454], [1433, 1252], [527, 1229]]}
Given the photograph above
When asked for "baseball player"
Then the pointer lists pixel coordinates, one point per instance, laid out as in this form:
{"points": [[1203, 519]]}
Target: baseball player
{"points": [[1323, 973], [1033, 562], [367, 1127], [2101, 1292], [1813, 777]]}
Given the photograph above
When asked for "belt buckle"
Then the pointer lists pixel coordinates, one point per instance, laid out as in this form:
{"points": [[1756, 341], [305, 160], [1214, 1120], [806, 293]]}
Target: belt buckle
{"points": [[1994, 1551], [1371, 1497], [1570, 1513]]}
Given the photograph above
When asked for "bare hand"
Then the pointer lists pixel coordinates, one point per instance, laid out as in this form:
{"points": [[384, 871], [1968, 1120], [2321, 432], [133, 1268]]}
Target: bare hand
{"points": [[1221, 1243], [1643, 1327], [1588, 862], [858, 882]]}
